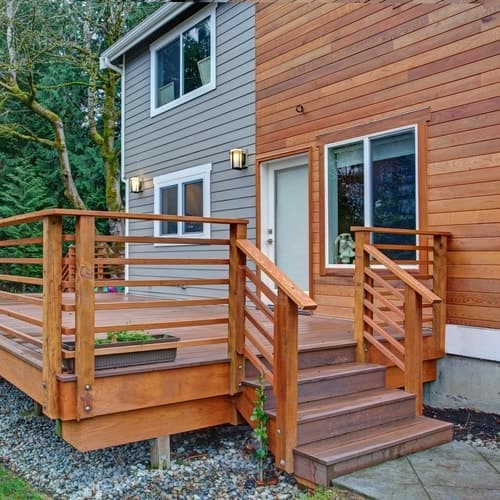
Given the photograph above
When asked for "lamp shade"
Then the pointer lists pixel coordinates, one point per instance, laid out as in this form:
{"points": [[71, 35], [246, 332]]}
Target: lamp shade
{"points": [[135, 184], [238, 159]]}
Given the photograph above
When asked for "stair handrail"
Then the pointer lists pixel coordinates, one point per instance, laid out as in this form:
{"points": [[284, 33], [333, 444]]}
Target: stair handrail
{"points": [[408, 356], [402, 274], [265, 264], [280, 366]]}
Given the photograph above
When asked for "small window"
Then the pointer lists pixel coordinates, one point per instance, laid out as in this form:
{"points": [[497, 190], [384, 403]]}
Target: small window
{"points": [[186, 192], [371, 181], [183, 63]]}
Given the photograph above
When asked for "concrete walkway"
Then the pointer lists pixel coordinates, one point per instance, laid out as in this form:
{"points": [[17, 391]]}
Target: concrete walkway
{"points": [[453, 471]]}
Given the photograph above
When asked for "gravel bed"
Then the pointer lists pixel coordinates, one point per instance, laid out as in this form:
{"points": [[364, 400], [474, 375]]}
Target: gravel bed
{"points": [[214, 463]]}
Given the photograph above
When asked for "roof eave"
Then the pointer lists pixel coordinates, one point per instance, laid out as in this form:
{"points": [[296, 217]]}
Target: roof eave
{"points": [[136, 35]]}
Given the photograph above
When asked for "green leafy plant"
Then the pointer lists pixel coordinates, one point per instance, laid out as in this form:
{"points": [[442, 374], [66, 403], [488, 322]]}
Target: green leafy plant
{"points": [[125, 336], [260, 417]]}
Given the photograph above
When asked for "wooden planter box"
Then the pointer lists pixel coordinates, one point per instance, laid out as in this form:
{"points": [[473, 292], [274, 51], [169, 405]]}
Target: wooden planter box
{"points": [[119, 360]]}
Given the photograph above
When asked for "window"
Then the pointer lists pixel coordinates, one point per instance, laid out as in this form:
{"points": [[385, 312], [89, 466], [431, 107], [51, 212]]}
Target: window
{"points": [[186, 192], [183, 63], [371, 181]]}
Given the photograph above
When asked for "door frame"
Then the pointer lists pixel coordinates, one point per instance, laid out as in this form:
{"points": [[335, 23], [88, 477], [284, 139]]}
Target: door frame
{"points": [[303, 155]]}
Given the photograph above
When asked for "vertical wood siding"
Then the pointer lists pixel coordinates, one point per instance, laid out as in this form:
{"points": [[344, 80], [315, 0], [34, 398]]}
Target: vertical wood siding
{"points": [[361, 68], [197, 132]]}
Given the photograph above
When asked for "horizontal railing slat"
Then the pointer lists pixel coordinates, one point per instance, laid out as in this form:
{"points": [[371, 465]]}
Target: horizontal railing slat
{"points": [[21, 279], [291, 289]]}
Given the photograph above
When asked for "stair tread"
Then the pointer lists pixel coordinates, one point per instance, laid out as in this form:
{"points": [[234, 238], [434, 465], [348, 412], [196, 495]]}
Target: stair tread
{"points": [[336, 449], [314, 410], [327, 371]]}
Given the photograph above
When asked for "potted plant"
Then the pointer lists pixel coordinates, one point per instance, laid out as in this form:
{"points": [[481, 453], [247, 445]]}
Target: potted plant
{"points": [[133, 358]]}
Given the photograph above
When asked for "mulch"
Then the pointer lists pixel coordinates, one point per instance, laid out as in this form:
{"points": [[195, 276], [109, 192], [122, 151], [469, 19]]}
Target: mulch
{"points": [[468, 424]]}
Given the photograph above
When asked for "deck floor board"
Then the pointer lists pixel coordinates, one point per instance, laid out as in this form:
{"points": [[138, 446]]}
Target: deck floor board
{"points": [[314, 331]]}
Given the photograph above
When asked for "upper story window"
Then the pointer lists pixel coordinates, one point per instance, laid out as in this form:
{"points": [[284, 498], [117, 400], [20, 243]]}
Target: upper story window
{"points": [[186, 192], [183, 62], [371, 181]]}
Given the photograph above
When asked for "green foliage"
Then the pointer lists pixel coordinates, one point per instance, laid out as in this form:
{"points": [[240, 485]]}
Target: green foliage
{"points": [[260, 417], [57, 47], [14, 488], [125, 336]]}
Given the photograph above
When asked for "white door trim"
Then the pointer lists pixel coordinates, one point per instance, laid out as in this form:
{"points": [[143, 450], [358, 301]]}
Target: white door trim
{"points": [[267, 194]]}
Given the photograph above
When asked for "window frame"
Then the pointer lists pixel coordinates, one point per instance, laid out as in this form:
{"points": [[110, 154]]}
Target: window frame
{"points": [[159, 44], [179, 178], [367, 175]]}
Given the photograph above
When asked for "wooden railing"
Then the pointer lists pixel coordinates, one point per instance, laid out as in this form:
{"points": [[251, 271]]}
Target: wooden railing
{"points": [[261, 313], [266, 305], [107, 266], [399, 299], [78, 319]]}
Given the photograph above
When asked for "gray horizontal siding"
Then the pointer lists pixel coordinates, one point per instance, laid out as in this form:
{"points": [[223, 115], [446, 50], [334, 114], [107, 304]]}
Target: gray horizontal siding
{"points": [[197, 132]]}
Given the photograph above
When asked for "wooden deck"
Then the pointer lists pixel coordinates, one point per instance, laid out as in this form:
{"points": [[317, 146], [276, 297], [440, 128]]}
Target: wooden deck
{"points": [[315, 332], [245, 327], [195, 383]]}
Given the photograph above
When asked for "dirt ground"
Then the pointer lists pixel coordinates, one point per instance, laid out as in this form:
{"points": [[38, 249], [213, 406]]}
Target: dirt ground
{"points": [[468, 424]]}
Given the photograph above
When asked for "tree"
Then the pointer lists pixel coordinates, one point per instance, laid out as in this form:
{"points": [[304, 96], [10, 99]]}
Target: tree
{"points": [[52, 90]]}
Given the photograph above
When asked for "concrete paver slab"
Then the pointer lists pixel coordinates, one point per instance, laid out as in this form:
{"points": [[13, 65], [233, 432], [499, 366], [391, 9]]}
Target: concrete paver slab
{"points": [[491, 456], [453, 471], [453, 493]]}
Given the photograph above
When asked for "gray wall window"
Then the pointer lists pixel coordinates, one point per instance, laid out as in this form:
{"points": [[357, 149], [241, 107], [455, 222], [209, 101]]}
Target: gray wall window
{"points": [[183, 62], [185, 192]]}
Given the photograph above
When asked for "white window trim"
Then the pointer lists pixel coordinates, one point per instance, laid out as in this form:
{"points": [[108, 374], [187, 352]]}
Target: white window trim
{"points": [[161, 42], [201, 172], [367, 193]]}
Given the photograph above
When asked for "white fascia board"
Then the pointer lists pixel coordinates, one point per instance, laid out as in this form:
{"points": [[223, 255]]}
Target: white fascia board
{"points": [[473, 342], [153, 22]]}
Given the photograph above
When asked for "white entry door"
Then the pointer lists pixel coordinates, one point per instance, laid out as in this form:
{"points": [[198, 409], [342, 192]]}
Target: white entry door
{"points": [[285, 216]]}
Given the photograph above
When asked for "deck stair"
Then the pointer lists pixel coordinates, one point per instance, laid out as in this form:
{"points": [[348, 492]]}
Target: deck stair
{"points": [[348, 419]]}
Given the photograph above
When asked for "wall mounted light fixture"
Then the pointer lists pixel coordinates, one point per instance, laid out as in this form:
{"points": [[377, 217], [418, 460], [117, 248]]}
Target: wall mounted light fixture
{"points": [[238, 159], [135, 184]]}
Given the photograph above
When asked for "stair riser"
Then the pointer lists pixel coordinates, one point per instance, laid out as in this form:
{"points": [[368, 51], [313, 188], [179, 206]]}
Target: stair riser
{"points": [[322, 474], [312, 359], [340, 386], [335, 425]]}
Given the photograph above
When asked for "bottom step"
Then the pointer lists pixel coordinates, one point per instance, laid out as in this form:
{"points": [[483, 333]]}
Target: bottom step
{"points": [[322, 461]]}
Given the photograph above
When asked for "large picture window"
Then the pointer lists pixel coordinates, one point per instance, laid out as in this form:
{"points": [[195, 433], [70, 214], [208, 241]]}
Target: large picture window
{"points": [[371, 181], [183, 63], [186, 192]]}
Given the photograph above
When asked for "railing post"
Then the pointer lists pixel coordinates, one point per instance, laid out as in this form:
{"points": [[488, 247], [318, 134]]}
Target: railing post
{"points": [[85, 314], [52, 312], [361, 262], [286, 379], [413, 374], [236, 320], [439, 285]]}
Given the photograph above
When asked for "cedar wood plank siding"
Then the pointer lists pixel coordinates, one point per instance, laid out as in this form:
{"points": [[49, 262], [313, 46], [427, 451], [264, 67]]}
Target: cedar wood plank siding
{"points": [[194, 133], [361, 68]]}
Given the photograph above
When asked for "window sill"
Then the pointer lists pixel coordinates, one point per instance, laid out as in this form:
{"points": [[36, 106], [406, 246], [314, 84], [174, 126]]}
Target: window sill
{"points": [[181, 100]]}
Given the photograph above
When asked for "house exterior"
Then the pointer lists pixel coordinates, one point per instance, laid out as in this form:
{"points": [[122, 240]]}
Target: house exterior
{"points": [[392, 111], [378, 114], [189, 98]]}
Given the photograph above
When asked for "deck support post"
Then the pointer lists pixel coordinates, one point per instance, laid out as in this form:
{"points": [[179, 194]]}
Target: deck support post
{"points": [[286, 379], [236, 340], [51, 312], [413, 374], [439, 278], [361, 262], [85, 314], [160, 452]]}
